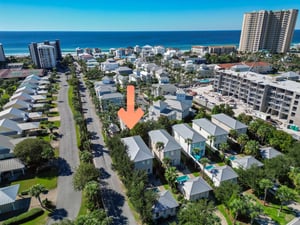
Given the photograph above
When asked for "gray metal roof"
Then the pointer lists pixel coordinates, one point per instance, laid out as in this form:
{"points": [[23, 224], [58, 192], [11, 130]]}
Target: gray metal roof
{"points": [[111, 96], [210, 127], [269, 153], [25, 89], [21, 95], [196, 186], [137, 149], [13, 113], [187, 132], [247, 161], [178, 105], [7, 165], [6, 144], [7, 125], [8, 194], [229, 121], [29, 126], [15, 103], [164, 202], [224, 173], [163, 136]]}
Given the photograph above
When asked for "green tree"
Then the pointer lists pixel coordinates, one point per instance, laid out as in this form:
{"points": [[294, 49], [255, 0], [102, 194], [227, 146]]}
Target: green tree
{"points": [[86, 156], [85, 173], [97, 217], [211, 139], [237, 207], [264, 131], [284, 194], [171, 175], [224, 146], [249, 178], [233, 133], [34, 152], [198, 213], [36, 191], [244, 118], [251, 148], [242, 140], [159, 146], [265, 184], [294, 175], [226, 191], [277, 168], [204, 161], [92, 195], [64, 222]]}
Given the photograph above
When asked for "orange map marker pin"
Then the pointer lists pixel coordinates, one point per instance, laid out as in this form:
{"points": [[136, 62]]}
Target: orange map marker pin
{"points": [[130, 117]]}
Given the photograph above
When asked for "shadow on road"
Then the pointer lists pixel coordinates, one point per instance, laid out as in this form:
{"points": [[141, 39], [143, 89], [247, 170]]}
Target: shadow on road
{"points": [[89, 120], [64, 167], [98, 150], [113, 203], [104, 174], [58, 214]]}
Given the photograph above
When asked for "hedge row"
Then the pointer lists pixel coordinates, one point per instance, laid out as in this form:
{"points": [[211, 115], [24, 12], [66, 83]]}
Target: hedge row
{"points": [[22, 218]]}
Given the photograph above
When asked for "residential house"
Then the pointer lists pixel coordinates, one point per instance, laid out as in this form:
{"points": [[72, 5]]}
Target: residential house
{"points": [[195, 189], [162, 76], [165, 206], [12, 128], [139, 153], [14, 114], [213, 134], [170, 148], [8, 196], [160, 108], [22, 96], [219, 174], [116, 99], [109, 65], [181, 109], [18, 104], [269, 152], [26, 90], [163, 89], [189, 139], [245, 162], [228, 123]]}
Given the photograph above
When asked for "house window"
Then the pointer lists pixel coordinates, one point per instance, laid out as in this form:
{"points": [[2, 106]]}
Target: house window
{"points": [[293, 114], [294, 108], [296, 102]]}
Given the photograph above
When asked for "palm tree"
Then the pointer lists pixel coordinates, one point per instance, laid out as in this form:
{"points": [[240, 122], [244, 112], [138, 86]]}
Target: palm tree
{"points": [[159, 146], [36, 191], [251, 148], [233, 133], [166, 162], [265, 184], [242, 140], [91, 192], [189, 142], [171, 176], [237, 206], [211, 138], [223, 148], [204, 162], [285, 194]]}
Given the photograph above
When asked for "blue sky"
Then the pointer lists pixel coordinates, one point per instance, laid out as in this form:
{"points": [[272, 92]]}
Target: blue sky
{"points": [[132, 15]]}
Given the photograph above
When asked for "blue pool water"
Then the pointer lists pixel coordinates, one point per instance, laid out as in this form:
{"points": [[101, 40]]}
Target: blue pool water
{"points": [[232, 157], [209, 167], [182, 179]]}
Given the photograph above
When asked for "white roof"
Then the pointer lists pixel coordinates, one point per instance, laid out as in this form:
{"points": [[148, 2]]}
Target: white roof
{"points": [[247, 161], [137, 149], [11, 164], [163, 136], [17, 103], [196, 186], [12, 113], [210, 127], [187, 132], [22, 95], [8, 194], [229, 121]]}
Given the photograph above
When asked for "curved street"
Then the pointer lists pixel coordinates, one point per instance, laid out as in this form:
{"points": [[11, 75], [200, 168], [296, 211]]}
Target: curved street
{"points": [[111, 188], [68, 201]]}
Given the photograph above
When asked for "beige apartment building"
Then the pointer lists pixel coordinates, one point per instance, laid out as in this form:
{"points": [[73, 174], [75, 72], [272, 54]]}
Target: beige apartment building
{"points": [[276, 96], [268, 30]]}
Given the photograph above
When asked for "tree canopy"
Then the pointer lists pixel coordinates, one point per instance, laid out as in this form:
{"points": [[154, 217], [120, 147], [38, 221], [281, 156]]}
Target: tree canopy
{"points": [[34, 152], [85, 173]]}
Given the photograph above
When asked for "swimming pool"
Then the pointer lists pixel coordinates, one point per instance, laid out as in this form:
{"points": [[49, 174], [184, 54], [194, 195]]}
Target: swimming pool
{"points": [[203, 81], [209, 167], [182, 179], [232, 157]]}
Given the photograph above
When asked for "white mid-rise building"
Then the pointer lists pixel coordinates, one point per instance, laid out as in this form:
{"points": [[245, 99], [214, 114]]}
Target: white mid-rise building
{"points": [[47, 56]]}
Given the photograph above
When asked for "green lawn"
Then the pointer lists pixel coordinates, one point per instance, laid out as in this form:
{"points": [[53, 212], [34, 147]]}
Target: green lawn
{"points": [[272, 210], [222, 209], [41, 220], [83, 209], [46, 178], [70, 96]]}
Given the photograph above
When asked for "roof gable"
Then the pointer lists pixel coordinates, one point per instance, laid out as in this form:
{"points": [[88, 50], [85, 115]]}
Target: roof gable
{"points": [[8, 194], [210, 127], [187, 132], [229, 121], [196, 186], [163, 136]]}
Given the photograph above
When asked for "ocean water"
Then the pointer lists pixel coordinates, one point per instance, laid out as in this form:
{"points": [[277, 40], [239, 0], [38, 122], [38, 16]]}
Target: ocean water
{"points": [[16, 42]]}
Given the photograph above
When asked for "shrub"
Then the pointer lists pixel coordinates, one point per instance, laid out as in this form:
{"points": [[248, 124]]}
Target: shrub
{"points": [[30, 215]]}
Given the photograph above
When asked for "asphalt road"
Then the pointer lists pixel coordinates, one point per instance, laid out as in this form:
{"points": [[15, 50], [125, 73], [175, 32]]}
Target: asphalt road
{"points": [[111, 187], [68, 201]]}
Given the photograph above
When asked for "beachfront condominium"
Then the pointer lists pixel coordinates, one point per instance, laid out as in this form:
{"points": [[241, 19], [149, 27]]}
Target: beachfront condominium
{"points": [[268, 30], [43, 54], [278, 96], [2, 55]]}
